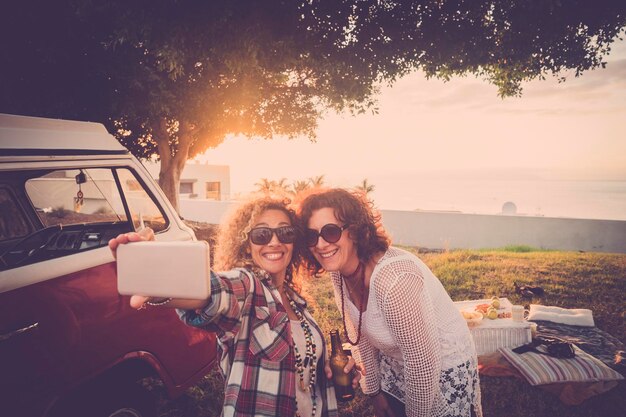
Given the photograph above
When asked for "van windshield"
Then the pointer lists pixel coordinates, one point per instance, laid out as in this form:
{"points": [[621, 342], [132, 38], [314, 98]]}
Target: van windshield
{"points": [[78, 209]]}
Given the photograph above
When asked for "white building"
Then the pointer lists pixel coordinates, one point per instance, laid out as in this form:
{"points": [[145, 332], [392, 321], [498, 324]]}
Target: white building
{"points": [[200, 181]]}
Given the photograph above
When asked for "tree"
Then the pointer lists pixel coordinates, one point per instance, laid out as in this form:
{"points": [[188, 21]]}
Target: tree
{"points": [[317, 181], [168, 78], [365, 187], [175, 77], [264, 186], [282, 186], [300, 186]]}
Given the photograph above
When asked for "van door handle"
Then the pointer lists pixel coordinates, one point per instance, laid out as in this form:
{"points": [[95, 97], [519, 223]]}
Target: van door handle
{"points": [[9, 335]]}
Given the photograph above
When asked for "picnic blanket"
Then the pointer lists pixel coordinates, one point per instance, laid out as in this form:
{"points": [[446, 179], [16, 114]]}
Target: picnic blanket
{"points": [[592, 340]]}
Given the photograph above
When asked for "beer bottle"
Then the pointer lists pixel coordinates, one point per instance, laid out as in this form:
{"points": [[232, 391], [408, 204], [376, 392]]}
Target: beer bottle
{"points": [[338, 361]]}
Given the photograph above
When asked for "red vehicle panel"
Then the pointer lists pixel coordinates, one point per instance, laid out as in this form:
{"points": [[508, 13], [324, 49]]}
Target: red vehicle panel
{"points": [[69, 343]]}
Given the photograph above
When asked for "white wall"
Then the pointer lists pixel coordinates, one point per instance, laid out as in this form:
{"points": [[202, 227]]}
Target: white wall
{"points": [[437, 230], [475, 231], [209, 211]]}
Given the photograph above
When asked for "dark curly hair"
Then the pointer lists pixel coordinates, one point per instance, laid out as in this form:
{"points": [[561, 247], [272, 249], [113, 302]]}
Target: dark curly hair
{"points": [[353, 209]]}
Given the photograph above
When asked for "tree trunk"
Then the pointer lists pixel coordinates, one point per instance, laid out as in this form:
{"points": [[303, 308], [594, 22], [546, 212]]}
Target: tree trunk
{"points": [[172, 165], [169, 180]]}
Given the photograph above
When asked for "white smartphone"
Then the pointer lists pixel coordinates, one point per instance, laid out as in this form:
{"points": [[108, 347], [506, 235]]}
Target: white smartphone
{"points": [[164, 269]]}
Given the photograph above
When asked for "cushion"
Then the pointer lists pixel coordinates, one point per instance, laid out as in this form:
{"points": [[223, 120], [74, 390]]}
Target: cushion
{"points": [[571, 316], [541, 369]]}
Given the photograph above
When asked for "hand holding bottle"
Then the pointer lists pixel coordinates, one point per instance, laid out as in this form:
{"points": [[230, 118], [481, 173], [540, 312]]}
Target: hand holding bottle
{"points": [[343, 370]]}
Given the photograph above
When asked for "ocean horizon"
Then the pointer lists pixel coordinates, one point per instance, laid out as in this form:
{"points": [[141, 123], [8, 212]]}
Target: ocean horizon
{"points": [[549, 198]]}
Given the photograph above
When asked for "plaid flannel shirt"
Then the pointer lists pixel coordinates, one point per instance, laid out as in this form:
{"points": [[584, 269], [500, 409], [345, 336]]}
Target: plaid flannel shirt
{"points": [[255, 345]]}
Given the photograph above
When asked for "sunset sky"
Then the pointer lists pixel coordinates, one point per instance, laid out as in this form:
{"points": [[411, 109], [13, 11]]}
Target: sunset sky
{"points": [[460, 129]]}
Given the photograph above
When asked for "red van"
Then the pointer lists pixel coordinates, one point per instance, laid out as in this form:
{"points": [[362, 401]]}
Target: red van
{"points": [[69, 343]]}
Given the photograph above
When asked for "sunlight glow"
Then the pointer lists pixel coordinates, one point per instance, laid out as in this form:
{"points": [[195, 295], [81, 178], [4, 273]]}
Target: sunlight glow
{"points": [[429, 129]]}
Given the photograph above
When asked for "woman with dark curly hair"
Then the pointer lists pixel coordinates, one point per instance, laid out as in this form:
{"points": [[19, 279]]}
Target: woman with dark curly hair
{"points": [[416, 349], [271, 347]]}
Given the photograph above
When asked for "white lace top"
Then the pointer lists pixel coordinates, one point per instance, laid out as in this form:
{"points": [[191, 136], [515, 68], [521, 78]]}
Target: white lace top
{"points": [[415, 344]]}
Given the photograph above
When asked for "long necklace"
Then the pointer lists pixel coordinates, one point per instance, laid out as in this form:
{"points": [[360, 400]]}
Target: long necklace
{"points": [[310, 357], [359, 270]]}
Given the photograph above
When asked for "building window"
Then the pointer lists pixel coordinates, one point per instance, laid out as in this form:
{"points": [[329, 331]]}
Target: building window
{"points": [[186, 187], [213, 191]]}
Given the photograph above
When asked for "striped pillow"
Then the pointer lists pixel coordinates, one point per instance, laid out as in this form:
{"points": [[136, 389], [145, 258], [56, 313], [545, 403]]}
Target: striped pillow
{"points": [[543, 369]]}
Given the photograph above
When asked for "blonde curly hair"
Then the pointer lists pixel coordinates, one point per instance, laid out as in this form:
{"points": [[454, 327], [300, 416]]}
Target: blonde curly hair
{"points": [[233, 247]]}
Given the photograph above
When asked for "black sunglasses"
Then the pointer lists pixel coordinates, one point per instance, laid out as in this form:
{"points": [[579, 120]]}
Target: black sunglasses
{"points": [[330, 232], [263, 235]]}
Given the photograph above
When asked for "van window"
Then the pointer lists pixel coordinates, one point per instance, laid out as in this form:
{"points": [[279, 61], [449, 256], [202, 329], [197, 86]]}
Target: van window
{"points": [[142, 207], [74, 196], [13, 224]]}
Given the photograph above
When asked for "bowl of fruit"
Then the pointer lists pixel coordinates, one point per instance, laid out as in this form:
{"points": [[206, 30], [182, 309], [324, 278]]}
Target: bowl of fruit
{"points": [[492, 310], [487, 310]]}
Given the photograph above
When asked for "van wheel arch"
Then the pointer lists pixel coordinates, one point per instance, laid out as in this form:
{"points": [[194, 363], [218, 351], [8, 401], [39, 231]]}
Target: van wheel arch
{"points": [[128, 400], [116, 393]]}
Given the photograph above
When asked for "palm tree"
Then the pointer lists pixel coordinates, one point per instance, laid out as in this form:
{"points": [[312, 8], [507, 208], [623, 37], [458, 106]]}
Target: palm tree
{"points": [[264, 186], [299, 186], [365, 187], [317, 181], [281, 186]]}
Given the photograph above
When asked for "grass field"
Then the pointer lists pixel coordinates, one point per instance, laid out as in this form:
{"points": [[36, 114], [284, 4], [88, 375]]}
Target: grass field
{"points": [[570, 279]]}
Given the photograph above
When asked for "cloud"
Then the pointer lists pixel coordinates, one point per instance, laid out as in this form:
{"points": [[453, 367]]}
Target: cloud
{"points": [[602, 90]]}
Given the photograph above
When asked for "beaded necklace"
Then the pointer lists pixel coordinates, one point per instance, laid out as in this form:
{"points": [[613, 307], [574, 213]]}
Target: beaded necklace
{"points": [[310, 357], [360, 270]]}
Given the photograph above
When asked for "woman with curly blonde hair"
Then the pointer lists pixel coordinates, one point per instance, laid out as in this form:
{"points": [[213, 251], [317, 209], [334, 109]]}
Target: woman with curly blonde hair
{"points": [[232, 246], [271, 347]]}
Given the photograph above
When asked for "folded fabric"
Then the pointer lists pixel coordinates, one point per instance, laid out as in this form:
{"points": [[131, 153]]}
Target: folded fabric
{"points": [[541, 369], [571, 316], [570, 393]]}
